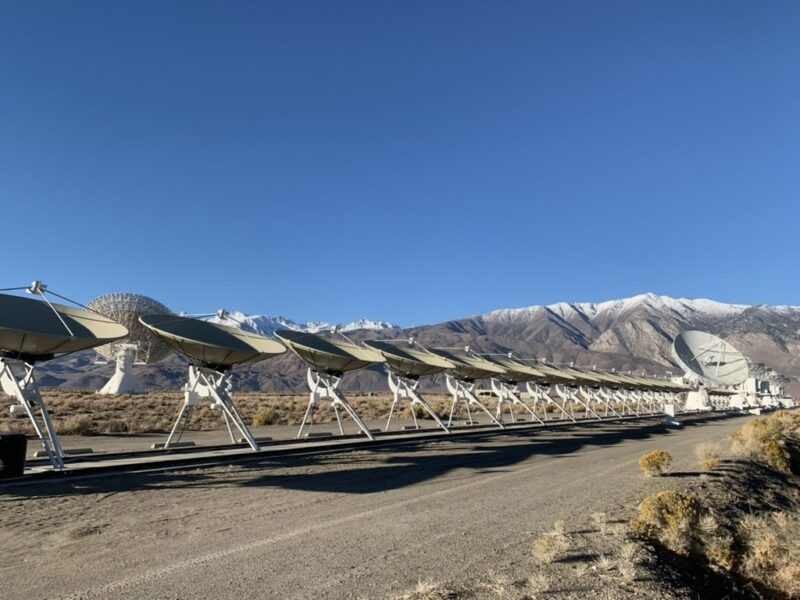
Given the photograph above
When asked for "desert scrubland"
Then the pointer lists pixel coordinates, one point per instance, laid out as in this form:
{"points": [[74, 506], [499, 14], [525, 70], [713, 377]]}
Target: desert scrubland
{"points": [[85, 413]]}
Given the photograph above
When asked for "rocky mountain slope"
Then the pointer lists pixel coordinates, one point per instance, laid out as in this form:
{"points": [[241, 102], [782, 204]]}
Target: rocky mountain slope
{"points": [[632, 333]]}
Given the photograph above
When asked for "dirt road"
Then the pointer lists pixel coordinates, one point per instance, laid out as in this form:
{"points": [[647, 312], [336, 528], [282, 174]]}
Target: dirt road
{"points": [[366, 524]]}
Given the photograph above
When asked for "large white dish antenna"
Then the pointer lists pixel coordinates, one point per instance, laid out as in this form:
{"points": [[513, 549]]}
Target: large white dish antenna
{"points": [[710, 358], [126, 308]]}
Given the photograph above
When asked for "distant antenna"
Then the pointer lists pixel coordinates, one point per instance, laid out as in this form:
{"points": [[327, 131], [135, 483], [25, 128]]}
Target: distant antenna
{"points": [[710, 358], [140, 347]]}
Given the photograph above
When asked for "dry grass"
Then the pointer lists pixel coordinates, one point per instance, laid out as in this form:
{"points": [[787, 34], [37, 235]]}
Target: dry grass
{"points": [[551, 545], [600, 521], [155, 412], [655, 463], [428, 590], [765, 439], [716, 542], [500, 587], [538, 583], [628, 560], [708, 455], [671, 518], [86, 413], [77, 425], [266, 416], [771, 550]]}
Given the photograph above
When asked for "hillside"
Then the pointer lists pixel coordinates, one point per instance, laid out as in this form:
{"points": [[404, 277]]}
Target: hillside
{"points": [[631, 333]]}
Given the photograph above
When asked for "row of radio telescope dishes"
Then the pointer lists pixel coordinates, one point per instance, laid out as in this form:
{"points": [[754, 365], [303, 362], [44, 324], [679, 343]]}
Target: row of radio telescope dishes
{"points": [[131, 329]]}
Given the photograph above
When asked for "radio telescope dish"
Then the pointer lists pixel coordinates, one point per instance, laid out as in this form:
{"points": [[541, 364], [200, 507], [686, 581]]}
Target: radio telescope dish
{"points": [[33, 331], [328, 358], [211, 345], [212, 349], [140, 347], [516, 371], [409, 360], [710, 358], [330, 354], [469, 366], [405, 364]]}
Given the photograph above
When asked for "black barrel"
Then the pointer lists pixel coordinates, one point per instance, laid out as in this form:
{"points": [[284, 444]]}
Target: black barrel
{"points": [[13, 447]]}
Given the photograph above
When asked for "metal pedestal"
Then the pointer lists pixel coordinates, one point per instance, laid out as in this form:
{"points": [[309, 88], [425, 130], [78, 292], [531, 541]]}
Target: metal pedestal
{"points": [[406, 389], [569, 395], [124, 380], [463, 390], [325, 387], [29, 400], [213, 385], [595, 395], [506, 393], [541, 394]]}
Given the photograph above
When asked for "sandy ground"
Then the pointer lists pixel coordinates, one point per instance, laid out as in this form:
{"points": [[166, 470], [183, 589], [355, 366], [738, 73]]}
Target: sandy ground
{"points": [[358, 524]]}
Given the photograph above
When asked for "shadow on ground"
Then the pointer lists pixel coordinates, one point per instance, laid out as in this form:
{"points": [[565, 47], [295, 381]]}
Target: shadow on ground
{"points": [[368, 471]]}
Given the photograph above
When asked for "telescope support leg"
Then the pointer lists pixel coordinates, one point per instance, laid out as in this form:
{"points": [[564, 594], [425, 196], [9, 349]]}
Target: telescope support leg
{"points": [[26, 392]]}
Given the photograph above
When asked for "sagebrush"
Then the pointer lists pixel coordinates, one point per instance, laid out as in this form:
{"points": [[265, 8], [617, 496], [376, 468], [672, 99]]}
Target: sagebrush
{"points": [[655, 463]]}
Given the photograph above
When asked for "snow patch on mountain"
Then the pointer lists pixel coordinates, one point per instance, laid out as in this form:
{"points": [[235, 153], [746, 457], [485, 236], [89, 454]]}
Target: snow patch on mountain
{"points": [[266, 325], [614, 308]]}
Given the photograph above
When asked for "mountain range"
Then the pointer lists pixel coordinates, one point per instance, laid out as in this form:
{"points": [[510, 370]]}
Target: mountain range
{"points": [[628, 334], [265, 324]]}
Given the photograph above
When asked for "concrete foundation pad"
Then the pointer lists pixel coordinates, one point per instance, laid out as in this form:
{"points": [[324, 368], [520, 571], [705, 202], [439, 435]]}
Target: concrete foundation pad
{"points": [[159, 445]]}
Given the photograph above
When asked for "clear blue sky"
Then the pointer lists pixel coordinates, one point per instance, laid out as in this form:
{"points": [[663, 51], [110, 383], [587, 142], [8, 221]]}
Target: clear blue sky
{"points": [[408, 161]]}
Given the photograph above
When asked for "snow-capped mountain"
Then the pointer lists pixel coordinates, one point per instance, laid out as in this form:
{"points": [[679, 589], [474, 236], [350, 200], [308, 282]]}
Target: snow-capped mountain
{"points": [[614, 308], [265, 325], [631, 333]]}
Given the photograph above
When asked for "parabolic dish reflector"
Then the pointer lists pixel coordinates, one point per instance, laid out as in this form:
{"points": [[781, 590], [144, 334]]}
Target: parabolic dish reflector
{"points": [[516, 371], [332, 354], [212, 345], [552, 374], [33, 329], [710, 358], [468, 365], [410, 360], [126, 308], [598, 378]]}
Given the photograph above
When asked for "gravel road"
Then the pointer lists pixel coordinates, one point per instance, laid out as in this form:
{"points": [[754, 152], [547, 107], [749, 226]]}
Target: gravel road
{"points": [[358, 524]]}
